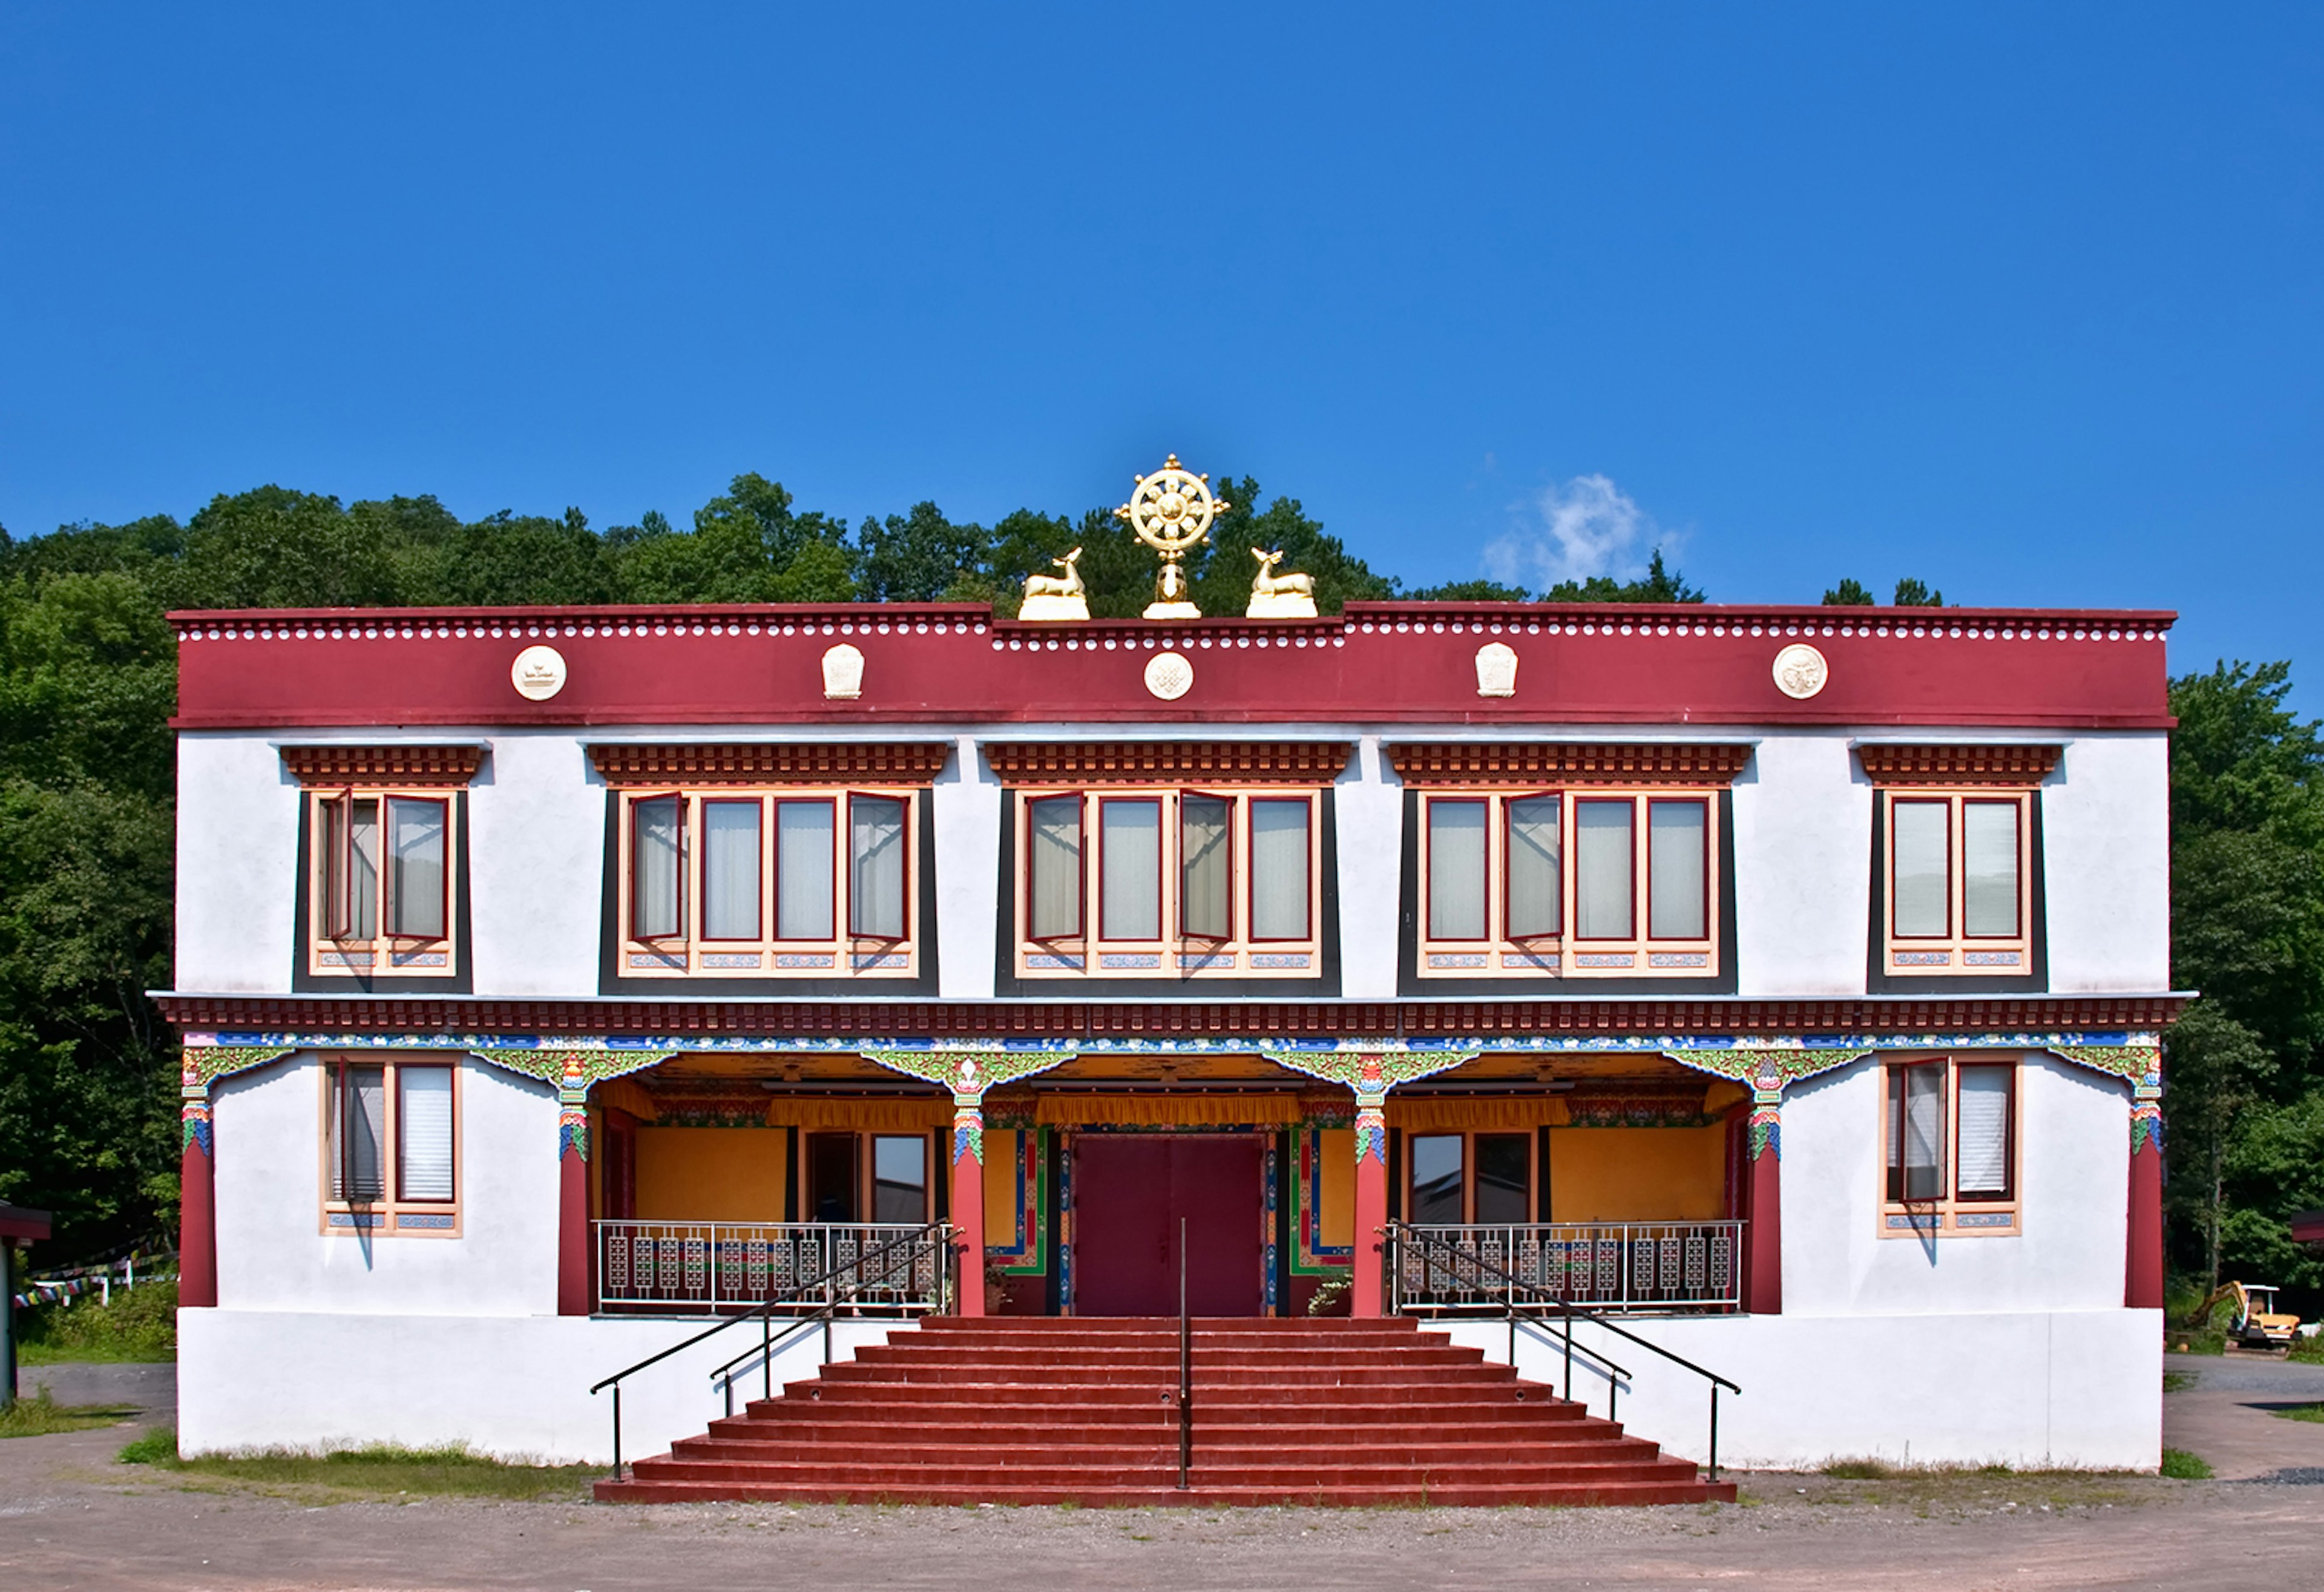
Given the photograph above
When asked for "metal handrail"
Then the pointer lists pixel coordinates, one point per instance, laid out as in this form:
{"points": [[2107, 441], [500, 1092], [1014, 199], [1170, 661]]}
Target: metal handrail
{"points": [[1185, 1367], [764, 1314], [1396, 1231]]}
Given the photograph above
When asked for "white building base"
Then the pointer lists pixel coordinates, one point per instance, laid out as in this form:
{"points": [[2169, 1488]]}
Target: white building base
{"points": [[515, 1387], [2066, 1389]]}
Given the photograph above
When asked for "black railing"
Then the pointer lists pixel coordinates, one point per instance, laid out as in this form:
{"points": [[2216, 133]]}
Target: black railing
{"points": [[1400, 1233], [829, 1296], [1185, 1367]]}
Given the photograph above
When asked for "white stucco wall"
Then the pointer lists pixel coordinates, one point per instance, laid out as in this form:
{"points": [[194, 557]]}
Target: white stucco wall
{"points": [[2074, 1170], [1802, 867], [514, 1386], [1367, 806], [2105, 833], [267, 1128], [238, 865], [967, 800], [2070, 1389], [536, 866]]}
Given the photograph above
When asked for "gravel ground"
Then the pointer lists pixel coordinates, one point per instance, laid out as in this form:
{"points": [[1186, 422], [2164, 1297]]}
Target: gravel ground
{"points": [[70, 1518]]}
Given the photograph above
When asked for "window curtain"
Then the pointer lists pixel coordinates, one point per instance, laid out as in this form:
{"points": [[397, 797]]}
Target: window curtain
{"points": [[1278, 870], [1604, 858], [1536, 904], [654, 869], [1130, 855], [424, 1132], [1205, 887], [1057, 867], [1989, 868], [363, 870], [359, 1133], [803, 870], [875, 900], [730, 870], [1456, 870], [1921, 869], [1984, 1131], [1676, 832]]}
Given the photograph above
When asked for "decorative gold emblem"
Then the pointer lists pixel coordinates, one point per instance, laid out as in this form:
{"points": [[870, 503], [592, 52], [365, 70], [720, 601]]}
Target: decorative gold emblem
{"points": [[1171, 511], [1057, 597], [1801, 672], [1279, 596]]}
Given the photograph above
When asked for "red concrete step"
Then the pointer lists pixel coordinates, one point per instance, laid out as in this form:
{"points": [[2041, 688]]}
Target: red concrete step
{"points": [[1576, 1495], [1038, 1412]]}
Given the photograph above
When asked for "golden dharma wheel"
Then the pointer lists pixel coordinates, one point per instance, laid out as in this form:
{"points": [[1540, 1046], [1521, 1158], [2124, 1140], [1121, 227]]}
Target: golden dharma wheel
{"points": [[1172, 509]]}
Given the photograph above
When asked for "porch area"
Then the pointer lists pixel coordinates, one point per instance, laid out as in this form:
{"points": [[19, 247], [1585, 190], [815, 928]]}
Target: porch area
{"points": [[723, 1181]]}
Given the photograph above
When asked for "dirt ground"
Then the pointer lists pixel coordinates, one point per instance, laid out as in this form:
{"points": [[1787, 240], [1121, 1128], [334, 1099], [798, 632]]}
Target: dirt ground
{"points": [[70, 1518]]}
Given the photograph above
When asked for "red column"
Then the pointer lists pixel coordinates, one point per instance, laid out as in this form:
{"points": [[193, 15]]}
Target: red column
{"points": [[196, 1214], [2143, 1271], [968, 1204], [1763, 1285], [1368, 1295], [572, 1230]]}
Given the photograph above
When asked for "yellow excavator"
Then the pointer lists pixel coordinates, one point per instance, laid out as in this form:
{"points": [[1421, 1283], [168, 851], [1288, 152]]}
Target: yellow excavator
{"points": [[2256, 1323]]}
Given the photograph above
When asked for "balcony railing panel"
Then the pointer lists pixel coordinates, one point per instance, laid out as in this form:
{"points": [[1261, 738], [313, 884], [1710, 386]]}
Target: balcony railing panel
{"points": [[705, 1267], [1694, 1267]]}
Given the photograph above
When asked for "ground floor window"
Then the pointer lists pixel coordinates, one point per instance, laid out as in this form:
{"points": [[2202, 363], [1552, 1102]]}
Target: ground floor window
{"points": [[1950, 1140], [1461, 1178], [391, 1147]]}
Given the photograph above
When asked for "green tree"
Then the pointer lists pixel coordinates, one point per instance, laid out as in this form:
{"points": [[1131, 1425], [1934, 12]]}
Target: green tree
{"points": [[917, 557], [1660, 584], [1850, 593], [1912, 593]]}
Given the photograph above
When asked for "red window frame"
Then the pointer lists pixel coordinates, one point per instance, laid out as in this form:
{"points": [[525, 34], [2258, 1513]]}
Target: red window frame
{"points": [[685, 829], [1704, 831], [1234, 875], [1484, 867], [1509, 801], [775, 872], [1160, 870], [1249, 806], [758, 873], [1081, 867], [2009, 1194], [904, 913], [2017, 811], [1637, 907], [1944, 804]]}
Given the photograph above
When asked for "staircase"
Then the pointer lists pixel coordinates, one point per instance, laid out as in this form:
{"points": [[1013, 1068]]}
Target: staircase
{"points": [[1084, 1411]]}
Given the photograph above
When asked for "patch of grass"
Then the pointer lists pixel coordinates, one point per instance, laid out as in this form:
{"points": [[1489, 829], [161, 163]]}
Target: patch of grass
{"points": [[380, 1471], [41, 1415], [2307, 1351], [141, 1324], [2304, 1412], [157, 1447], [1858, 1470], [2173, 1380], [2180, 1466]]}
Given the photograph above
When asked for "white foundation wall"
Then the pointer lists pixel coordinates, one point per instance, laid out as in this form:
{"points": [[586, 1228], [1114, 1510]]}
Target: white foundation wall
{"points": [[2070, 1389], [2074, 1172], [1803, 868], [536, 866], [516, 1387], [2105, 845], [238, 865], [267, 1130]]}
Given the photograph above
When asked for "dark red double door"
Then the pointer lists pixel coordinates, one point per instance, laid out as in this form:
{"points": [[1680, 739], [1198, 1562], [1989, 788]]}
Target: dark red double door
{"points": [[1130, 1193]]}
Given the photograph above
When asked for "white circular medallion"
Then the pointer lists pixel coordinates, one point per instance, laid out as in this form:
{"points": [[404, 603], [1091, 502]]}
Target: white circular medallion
{"points": [[1801, 672], [1169, 675], [537, 673]]}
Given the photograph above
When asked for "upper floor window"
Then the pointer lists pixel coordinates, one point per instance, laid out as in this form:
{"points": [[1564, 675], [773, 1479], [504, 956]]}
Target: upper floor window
{"points": [[1959, 881], [1161, 882], [791, 881], [1580, 883], [1948, 1131], [384, 855]]}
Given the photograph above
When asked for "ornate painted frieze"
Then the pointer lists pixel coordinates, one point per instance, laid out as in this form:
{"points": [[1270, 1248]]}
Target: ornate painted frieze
{"points": [[968, 1072]]}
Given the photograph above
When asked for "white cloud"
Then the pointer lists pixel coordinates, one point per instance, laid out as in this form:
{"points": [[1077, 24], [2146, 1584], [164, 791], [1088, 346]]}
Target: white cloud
{"points": [[1588, 526]]}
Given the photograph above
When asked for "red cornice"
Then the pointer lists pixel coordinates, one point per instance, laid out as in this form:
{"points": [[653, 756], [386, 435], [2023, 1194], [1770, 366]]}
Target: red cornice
{"points": [[1257, 1019], [334, 765], [751, 762], [2012, 765], [1432, 764], [1142, 763]]}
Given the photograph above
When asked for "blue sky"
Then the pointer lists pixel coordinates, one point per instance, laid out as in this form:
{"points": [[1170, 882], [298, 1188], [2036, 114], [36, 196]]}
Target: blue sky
{"points": [[2026, 301]]}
